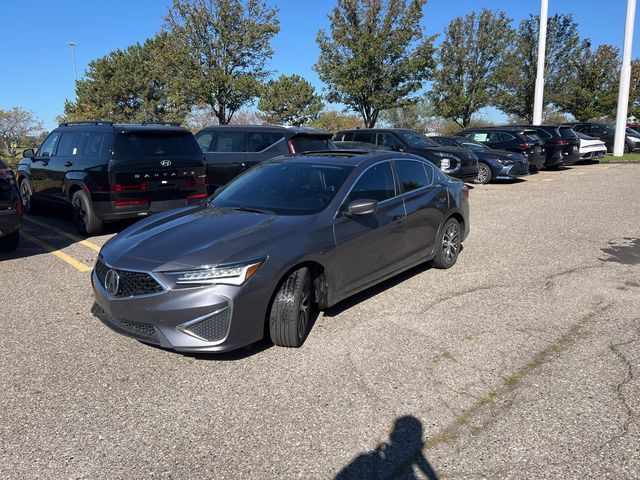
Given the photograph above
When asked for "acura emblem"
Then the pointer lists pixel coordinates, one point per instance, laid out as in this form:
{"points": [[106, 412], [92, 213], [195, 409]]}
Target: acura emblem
{"points": [[165, 163], [112, 282]]}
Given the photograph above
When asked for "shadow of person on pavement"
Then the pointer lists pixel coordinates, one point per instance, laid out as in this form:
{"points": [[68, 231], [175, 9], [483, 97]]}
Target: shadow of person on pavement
{"points": [[395, 459]]}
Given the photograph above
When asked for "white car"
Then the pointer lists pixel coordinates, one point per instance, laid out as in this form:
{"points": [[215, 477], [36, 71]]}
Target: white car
{"points": [[591, 148]]}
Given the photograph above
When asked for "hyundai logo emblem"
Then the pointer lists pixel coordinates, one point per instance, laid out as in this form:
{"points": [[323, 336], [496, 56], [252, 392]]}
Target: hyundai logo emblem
{"points": [[112, 282], [165, 163]]}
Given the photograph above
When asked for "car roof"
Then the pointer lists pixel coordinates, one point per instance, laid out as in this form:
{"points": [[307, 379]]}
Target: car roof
{"points": [[268, 128], [102, 125], [346, 157]]}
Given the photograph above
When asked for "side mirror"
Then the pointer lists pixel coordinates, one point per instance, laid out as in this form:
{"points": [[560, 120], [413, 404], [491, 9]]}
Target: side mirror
{"points": [[29, 153], [362, 207]]}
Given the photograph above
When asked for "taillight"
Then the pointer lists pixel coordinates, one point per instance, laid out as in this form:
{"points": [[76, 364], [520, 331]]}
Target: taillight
{"points": [[19, 207], [465, 191], [561, 142], [191, 181], [196, 196], [525, 145], [291, 147], [126, 203], [132, 187]]}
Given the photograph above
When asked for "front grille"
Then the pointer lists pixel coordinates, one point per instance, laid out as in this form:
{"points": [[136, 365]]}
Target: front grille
{"points": [[140, 331], [131, 283], [212, 328]]}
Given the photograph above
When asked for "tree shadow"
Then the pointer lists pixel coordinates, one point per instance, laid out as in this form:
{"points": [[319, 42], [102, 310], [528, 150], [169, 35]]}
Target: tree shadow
{"points": [[396, 459]]}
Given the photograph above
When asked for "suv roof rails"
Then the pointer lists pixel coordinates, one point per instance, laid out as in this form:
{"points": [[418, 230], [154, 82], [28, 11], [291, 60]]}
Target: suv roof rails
{"points": [[87, 122], [172, 124]]}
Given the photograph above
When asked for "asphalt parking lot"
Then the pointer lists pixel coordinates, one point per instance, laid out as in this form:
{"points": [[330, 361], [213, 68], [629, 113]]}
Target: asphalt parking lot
{"points": [[520, 362]]}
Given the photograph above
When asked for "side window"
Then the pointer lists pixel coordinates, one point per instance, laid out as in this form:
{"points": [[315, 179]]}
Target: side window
{"points": [[445, 142], [481, 137], [48, 146], [96, 145], [366, 137], [70, 144], [230, 142], [388, 140], [205, 140], [412, 175], [375, 184], [543, 134], [259, 141]]}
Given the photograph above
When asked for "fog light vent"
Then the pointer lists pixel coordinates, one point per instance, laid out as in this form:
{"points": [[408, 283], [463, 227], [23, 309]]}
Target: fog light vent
{"points": [[212, 328]]}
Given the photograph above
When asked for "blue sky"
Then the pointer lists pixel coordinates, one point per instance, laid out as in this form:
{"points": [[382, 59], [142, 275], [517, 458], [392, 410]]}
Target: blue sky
{"points": [[36, 70]]}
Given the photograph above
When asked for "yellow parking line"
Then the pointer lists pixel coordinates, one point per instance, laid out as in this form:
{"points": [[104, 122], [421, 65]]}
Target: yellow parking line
{"points": [[61, 255], [70, 236]]}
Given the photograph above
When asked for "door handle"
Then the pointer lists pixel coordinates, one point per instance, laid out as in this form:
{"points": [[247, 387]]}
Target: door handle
{"points": [[68, 164]]}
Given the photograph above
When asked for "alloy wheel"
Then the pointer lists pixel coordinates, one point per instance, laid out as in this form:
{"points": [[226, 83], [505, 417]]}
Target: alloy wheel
{"points": [[483, 173], [25, 194], [451, 242], [305, 308]]}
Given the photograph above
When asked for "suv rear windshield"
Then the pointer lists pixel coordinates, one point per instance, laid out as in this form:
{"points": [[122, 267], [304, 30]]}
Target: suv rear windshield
{"points": [[567, 132], [155, 144], [308, 143]]}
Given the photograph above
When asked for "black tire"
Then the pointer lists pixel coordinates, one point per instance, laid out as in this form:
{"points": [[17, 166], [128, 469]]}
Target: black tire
{"points": [[484, 174], [10, 242], [87, 222], [290, 316], [448, 245], [26, 196], [627, 148]]}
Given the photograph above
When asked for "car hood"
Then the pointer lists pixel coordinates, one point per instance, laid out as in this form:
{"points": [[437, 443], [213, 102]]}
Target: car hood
{"points": [[196, 236], [501, 154], [460, 152]]}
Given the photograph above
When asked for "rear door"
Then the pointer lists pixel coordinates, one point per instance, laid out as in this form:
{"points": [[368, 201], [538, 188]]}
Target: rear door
{"points": [[70, 146], [425, 203], [370, 246], [225, 152]]}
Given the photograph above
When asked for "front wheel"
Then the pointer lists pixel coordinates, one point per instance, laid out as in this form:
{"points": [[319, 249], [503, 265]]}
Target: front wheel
{"points": [[448, 245], [484, 174], [26, 195], [290, 316], [86, 220]]}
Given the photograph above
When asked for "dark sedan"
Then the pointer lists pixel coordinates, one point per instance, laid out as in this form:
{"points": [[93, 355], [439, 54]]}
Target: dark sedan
{"points": [[10, 210], [288, 234], [560, 142], [492, 164]]}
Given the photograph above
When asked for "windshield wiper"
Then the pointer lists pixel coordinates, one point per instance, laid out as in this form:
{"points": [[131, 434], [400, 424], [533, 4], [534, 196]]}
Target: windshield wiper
{"points": [[242, 208]]}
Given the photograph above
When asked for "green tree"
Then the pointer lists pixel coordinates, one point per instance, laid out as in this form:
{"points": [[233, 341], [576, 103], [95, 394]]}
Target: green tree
{"points": [[375, 56], [333, 120], [591, 90], [289, 100], [225, 44], [469, 58], [131, 85], [516, 90], [16, 125], [634, 90], [418, 115]]}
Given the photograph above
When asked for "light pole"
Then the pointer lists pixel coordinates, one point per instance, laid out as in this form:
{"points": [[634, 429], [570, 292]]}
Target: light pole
{"points": [[73, 46], [625, 79], [542, 47]]}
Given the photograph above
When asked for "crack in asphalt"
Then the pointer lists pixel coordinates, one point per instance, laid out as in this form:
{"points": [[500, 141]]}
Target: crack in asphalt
{"points": [[629, 376]]}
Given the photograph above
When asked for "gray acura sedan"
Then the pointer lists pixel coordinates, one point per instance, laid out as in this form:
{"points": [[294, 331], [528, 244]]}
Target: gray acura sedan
{"points": [[291, 233]]}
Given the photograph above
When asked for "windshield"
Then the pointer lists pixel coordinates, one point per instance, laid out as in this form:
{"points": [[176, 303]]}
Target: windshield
{"points": [[284, 188], [416, 140], [156, 144]]}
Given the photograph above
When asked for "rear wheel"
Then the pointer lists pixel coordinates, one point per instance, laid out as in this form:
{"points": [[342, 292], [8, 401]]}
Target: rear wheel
{"points": [[290, 316], [484, 174], [26, 194], [627, 148], [9, 242], [84, 217], [448, 245]]}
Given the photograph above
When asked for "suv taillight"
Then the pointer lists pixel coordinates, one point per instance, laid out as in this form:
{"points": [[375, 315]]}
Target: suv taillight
{"points": [[191, 181], [525, 145], [133, 187], [561, 142]]}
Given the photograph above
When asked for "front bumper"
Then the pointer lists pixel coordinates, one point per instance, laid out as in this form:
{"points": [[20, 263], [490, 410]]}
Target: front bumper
{"points": [[513, 171], [200, 319]]}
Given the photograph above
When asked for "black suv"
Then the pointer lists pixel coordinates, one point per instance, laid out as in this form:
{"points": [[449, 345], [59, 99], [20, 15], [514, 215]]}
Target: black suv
{"points": [[109, 171], [512, 139], [10, 210], [560, 142], [457, 162], [231, 149], [607, 134]]}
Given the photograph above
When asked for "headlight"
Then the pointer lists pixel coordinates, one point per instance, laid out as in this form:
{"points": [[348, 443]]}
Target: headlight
{"points": [[445, 164], [230, 274], [503, 161]]}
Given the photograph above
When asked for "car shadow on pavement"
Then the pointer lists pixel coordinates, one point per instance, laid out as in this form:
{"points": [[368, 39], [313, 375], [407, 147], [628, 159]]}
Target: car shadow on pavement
{"points": [[396, 459], [375, 290]]}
